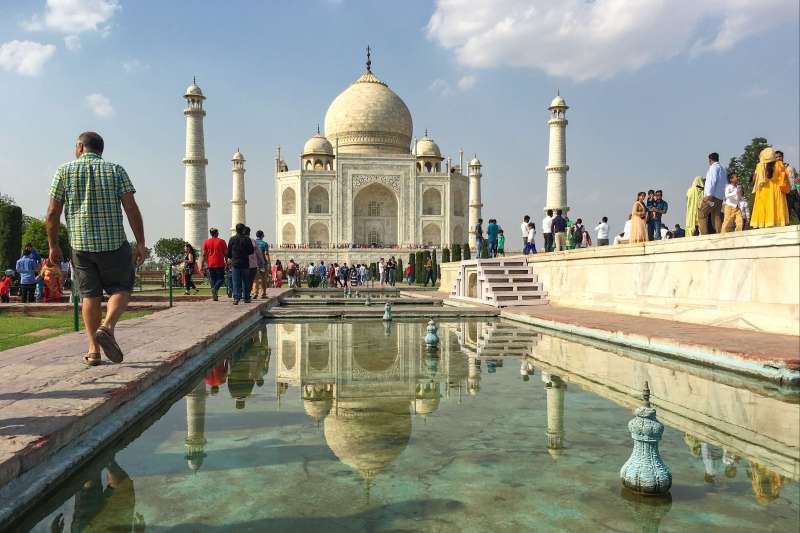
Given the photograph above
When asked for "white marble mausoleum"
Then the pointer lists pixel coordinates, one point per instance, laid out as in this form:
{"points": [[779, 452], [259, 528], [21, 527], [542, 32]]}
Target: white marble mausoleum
{"points": [[366, 182]]}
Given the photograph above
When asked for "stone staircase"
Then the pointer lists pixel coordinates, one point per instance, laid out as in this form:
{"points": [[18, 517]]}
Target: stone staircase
{"points": [[499, 282], [497, 339]]}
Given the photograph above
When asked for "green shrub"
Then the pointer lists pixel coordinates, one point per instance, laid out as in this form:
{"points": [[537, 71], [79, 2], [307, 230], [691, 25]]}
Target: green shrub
{"points": [[419, 267], [398, 272], [456, 253], [465, 252], [484, 249], [435, 267], [445, 255], [10, 235]]}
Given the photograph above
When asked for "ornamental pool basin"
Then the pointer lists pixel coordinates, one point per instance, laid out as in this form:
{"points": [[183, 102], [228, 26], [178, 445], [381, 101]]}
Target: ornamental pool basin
{"points": [[357, 426]]}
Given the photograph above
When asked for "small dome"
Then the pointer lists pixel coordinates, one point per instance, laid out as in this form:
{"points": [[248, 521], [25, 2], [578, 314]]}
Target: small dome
{"points": [[194, 90], [238, 156], [318, 145], [558, 101], [427, 147], [475, 162]]}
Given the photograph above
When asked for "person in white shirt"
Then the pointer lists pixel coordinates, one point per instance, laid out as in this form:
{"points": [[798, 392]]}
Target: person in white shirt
{"points": [[530, 240], [524, 231], [602, 232], [382, 271], [547, 231], [625, 236], [732, 213]]}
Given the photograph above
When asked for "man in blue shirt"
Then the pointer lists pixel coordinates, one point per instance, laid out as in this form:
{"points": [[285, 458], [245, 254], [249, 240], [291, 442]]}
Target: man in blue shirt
{"points": [[559, 227], [713, 193], [323, 274], [650, 208], [27, 267], [261, 277], [659, 209], [478, 238], [491, 233]]}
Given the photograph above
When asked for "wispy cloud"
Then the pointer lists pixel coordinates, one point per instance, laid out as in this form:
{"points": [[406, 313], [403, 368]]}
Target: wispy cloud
{"points": [[72, 42], [100, 105], [133, 66], [72, 17], [465, 83], [445, 88], [598, 39], [25, 57]]}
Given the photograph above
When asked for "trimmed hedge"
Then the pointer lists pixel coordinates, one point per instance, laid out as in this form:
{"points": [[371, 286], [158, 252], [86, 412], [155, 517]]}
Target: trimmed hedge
{"points": [[465, 252], [484, 249], [10, 235], [446, 255], [419, 267], [456, 253]]}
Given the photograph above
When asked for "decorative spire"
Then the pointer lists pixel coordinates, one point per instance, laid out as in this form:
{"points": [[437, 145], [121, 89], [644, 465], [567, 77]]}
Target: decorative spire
{"points": [[646, 394], [558, 92], [426, 132], [194, 80], [317, 128], [369, 60]]}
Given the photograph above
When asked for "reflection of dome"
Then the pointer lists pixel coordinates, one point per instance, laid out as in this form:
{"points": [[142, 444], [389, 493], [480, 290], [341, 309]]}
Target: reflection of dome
{"points": [[317, 409], [427, 398], [426, 147], [318, 400], [367, 435], [368, 117], [317, 145]]}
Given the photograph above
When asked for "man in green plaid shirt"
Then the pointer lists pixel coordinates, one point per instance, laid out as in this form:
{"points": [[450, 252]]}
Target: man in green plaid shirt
{"points": [[92, 193]]}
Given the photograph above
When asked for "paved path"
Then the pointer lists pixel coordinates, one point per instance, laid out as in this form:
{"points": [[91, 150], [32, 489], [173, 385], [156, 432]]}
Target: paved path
{"points": [[768, 350], [48, 397]]}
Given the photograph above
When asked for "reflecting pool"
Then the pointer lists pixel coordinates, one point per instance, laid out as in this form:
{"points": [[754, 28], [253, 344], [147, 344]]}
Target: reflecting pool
{"points": [[357, 426]]}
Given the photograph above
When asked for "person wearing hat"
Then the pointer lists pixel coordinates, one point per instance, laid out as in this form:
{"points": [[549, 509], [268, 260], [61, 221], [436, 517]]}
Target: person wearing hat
{"points": [[213, 259], [769, 191]]}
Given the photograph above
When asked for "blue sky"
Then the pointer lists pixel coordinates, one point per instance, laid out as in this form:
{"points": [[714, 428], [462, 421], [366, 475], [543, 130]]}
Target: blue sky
{"points": [[653, 87]]}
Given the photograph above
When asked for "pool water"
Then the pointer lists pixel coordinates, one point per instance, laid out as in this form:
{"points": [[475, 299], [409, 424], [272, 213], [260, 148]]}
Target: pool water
{"points": [[349, 426]]}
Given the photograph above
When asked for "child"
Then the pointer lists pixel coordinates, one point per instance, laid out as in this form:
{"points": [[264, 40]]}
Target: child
{"points": [[501, 243], [409, 273], [5, 286]]}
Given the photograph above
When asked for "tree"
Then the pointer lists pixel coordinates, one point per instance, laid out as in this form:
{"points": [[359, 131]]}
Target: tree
{"points": [[465, 252], [456, 253], [744, 166], [10, 233], [35, 232], [484, 251], [435, 266], [445, 255], [169, 249]]}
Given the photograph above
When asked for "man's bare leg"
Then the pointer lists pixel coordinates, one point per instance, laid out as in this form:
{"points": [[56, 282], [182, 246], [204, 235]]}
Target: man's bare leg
{"points": [[90, 308], [117, 303]]}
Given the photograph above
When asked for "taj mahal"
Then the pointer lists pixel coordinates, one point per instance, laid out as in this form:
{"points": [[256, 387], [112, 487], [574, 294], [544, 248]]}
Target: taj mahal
{"points": [[365, 183]]}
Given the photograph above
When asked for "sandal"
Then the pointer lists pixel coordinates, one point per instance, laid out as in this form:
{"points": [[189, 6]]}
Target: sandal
{"points": [[108, 343], [91, 359]]}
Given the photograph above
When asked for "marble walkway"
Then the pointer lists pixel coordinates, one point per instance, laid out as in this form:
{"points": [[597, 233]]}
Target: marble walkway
{"points": [[48, 397], [738, 350]]}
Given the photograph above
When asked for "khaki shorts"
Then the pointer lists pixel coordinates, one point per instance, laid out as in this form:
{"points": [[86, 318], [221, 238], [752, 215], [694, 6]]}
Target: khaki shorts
{"points": [[96, 272]]}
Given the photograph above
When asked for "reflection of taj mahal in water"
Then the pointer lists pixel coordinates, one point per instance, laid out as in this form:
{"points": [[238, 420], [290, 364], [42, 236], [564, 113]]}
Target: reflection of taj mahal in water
{"points": [[365, 382]]}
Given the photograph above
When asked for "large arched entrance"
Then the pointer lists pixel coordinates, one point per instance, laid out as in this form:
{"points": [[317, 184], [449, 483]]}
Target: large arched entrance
{"points": [[375, 216], [318, 234]]}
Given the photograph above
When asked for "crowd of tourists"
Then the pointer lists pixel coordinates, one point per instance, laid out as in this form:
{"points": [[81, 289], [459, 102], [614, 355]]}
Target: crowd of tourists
{"points": [[35, 279], [357, 246]]}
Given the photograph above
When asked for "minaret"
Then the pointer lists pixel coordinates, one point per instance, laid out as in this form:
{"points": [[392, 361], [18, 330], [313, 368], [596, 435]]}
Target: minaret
{"points": [[475, 204], [238, 201], [557, 161], [195, 204], [196, 426], [555, 388]]}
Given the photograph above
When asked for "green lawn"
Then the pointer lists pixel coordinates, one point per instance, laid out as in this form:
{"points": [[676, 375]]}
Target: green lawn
{"points": [[17, 329]]}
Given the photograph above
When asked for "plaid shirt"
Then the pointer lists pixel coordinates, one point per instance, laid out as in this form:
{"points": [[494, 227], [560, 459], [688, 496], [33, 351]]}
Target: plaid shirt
{"points": [[90, 189]]}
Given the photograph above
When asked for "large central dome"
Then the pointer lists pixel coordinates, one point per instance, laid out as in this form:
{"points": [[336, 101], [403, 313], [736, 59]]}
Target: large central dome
{"points": [[369, 118]]}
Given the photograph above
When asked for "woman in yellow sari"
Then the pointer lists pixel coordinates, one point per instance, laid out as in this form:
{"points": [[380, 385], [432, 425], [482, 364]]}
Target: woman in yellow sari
{"points": [[51, 274], [769, 190], [693, 198], [638, 214]]}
